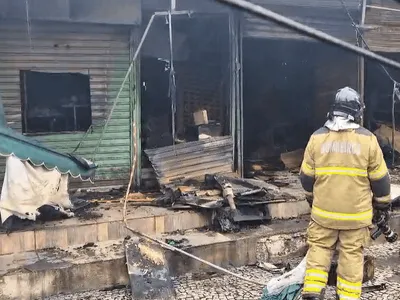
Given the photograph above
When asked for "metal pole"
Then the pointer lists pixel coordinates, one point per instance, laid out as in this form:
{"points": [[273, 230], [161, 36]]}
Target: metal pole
{"points": [[362, 60], [173, 5], [172, 82], [383, 8], [124, 81], [240, 100], [393, 121], [131, 67], [319, 35]]}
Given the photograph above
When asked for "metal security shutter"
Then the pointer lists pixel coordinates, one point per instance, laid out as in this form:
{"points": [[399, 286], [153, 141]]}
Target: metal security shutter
{"points": [[100, 51], [325, 15]]}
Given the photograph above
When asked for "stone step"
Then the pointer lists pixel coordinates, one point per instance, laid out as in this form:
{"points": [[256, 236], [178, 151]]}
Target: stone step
{"points": [[101, 265], [150, 220], [77, 231], [34, 275]]}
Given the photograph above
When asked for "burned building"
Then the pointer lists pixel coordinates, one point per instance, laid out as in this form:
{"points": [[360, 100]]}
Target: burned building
{"points": [[62, 66], [381, 27], [290, 80], [187, 90], [265, 87]]}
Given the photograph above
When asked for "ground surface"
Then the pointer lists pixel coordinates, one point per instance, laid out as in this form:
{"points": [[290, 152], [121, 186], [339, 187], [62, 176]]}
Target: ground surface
{"points": [[217, 287]]}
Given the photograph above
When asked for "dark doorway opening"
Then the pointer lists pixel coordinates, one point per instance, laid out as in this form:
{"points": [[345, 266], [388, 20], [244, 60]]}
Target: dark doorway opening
{"points": [[278, 89], [288, 87]]}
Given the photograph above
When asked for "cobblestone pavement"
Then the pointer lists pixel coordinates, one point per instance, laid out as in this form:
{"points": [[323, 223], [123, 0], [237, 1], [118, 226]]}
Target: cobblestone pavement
{"points": [[219, 287]]}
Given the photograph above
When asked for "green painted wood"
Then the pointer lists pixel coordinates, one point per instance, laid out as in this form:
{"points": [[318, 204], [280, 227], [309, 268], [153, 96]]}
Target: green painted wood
{"points": [[103, 52]]}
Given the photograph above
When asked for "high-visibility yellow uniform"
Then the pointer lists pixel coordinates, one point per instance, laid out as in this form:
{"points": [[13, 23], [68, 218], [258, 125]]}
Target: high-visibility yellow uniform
{"points": [[343, 170]]}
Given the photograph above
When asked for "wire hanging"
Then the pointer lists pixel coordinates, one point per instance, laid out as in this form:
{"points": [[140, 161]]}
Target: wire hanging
{"points": [[360, 34]]}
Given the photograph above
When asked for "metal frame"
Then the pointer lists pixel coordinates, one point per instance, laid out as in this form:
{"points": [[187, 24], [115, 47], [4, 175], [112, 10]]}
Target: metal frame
{"points": [[233, 40], [309, 31], [239, 66], [361, 61], [236, 96], [235, 93], [136, 106]]}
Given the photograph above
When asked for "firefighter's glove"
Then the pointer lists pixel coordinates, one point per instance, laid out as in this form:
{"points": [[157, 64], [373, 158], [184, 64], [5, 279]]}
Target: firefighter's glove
{"points": [[381, 216], [310, 198], [382, 207]]}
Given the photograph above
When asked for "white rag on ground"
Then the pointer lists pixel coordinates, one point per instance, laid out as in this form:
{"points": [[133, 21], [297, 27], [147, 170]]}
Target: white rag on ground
{"points": [[296, 276], [26, 188]]}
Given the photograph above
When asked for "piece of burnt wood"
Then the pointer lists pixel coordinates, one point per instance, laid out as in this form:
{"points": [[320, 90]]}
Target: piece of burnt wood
{"points": [[292, 160], [148, 270]]}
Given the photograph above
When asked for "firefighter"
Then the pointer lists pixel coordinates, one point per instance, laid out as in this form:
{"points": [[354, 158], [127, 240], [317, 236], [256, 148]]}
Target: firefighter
{"points": [[345, 177]]}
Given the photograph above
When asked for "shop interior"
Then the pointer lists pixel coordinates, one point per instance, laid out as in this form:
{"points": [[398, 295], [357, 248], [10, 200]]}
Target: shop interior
{"points": [[201, 80]]}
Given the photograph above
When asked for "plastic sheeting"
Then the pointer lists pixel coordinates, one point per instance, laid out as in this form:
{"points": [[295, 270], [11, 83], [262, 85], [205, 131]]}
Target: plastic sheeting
{"points": [[26, 188], [278, 285]]}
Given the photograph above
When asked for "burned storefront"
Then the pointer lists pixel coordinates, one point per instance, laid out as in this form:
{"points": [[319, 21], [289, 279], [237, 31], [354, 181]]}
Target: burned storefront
{"points": [[63, 64], [192, 115], [186, 92], [61, 68], [290, 80]]}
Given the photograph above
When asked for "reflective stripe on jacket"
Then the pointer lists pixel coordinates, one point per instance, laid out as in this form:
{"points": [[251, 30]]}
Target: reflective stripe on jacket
{"points": [[343, 170]]}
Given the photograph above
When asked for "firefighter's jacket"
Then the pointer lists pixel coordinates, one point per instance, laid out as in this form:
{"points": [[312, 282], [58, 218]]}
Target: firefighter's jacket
{"points": [[344, 171]]}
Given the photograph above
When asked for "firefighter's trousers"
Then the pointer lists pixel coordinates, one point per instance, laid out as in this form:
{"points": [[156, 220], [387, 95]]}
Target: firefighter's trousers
{"points": [[322, 244]]}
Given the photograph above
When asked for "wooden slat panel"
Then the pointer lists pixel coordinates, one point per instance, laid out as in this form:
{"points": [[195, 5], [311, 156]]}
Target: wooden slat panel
{"points": [[102, 52]]}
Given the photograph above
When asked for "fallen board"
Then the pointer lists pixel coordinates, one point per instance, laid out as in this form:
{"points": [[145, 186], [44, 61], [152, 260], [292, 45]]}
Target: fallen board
{"points": [[148, 271]]}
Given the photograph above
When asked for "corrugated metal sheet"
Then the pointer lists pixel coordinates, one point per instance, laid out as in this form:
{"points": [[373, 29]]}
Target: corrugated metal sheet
{"points": [[191, 160], [327, 16], [100, 51], [384, 32]]}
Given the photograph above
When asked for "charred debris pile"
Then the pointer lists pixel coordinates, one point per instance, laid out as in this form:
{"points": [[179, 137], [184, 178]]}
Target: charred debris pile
{"points": [[197, 175]]}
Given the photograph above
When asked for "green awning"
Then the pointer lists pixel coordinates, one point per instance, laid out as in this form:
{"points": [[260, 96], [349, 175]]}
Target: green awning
{"points": [[27, 149]]}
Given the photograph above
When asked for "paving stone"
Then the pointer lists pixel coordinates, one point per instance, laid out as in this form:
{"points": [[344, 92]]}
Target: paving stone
{"points": [[224, 287]]}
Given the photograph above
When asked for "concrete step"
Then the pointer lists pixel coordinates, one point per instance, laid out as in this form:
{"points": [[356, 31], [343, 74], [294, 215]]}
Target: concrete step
{"points": [[34, 275], [77, 231], [150, 220], [46, 272]]}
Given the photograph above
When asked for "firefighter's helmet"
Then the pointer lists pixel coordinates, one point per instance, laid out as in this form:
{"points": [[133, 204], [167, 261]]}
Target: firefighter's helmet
{"points": [[347, 104]]}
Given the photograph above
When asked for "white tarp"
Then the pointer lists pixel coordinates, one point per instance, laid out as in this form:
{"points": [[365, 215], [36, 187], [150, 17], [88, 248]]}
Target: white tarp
{"points": [[26, 188], [296, 276]]}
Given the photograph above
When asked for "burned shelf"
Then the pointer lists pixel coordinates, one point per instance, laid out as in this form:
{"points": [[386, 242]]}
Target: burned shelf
{"points": [[178, 163]]}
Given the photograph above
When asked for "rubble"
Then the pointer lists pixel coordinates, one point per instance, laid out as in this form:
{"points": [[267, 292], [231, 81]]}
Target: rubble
{"points": [[292, 160], [384, 134], [148, 270], [231, 200]]}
